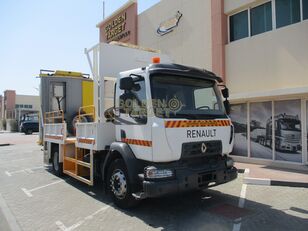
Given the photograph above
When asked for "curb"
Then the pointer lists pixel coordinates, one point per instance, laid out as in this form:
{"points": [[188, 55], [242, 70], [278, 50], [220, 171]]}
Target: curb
{"points": [[8, 215], [269, 182], [1, 145]]}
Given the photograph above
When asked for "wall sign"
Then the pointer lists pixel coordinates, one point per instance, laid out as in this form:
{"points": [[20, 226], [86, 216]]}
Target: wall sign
{"points": [[168, 25], [121, 26], [116, 29]]}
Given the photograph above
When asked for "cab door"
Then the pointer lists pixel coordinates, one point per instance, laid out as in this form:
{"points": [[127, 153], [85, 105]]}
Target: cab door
{"points": [[132, 120]]}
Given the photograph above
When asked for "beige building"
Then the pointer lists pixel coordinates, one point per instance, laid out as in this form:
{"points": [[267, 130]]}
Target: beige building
{"points": [[27, 102], [259, 47], [189, 43], [14, 105], [1, 107], [266, 71]]}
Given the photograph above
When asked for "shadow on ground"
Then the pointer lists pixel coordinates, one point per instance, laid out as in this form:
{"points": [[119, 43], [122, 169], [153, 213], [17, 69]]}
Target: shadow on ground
{"points": [[197, 211]]}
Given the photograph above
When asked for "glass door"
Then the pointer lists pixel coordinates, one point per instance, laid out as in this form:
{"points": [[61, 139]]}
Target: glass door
{"points": [[288, 134]]}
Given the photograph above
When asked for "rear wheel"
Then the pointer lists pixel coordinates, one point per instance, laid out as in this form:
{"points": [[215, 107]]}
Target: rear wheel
{"points": [[57, 167], [119, 185]]}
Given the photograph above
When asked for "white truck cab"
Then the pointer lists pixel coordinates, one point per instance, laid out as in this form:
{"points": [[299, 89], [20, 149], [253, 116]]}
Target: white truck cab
{"points": [[173, 122], [167, 132]]}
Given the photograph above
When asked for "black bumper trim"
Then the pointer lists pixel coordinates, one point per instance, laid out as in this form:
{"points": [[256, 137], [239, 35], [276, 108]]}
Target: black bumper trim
{"points": [[188, 180]]}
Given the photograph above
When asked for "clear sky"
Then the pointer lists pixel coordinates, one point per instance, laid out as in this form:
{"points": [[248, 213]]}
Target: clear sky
{"points": [[48, 34]]}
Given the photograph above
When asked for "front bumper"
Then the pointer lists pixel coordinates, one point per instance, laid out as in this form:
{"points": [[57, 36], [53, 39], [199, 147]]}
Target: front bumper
{"points": [[290, 147], [188, 180]]}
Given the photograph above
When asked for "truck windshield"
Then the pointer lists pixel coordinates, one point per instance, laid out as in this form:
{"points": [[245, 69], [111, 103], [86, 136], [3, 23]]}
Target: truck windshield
{"points": [[185, 97], [291, 125]]}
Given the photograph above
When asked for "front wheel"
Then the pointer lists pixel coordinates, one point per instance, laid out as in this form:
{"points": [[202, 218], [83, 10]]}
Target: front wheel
{"points": [[119, 185]]}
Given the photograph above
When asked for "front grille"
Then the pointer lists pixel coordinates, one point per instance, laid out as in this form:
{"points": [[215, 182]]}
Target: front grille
{"points": [[292, 138], [196, 149]]}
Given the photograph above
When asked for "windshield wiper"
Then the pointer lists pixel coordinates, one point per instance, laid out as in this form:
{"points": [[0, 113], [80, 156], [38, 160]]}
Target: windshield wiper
{"points": [[198, 116], [186, 116]]}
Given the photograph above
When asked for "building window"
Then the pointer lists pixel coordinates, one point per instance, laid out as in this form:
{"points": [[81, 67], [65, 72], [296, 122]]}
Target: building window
{"points": [[288, 140], [287, 12], [261, 18], [305, 9], [261, 130], [30, 106], [26, 106], [239, 26]]}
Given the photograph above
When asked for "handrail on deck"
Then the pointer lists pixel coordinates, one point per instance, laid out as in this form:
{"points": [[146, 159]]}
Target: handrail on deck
{"points": [[54, 117], [87, 111]]}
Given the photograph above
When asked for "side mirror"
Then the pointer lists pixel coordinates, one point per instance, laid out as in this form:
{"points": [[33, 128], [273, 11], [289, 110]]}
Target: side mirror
{"points": [[116, 112], [126, 83], [225, 92], [227, 106]]}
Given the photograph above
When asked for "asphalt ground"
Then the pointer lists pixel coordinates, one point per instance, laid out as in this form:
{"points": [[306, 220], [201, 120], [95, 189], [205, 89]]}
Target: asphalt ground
{"points": [[32, 198]]}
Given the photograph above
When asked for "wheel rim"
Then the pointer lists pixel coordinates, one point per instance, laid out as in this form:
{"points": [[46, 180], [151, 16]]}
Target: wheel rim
{"points": [[55, 161], [118, 184]]}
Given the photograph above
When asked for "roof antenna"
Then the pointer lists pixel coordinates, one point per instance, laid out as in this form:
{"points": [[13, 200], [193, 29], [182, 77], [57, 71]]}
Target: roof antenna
{"points": [[103, 10]]}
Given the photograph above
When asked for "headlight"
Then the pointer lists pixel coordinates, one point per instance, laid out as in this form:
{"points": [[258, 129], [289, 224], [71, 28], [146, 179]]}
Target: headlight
{"points": [[229, 162], [154, 173]]}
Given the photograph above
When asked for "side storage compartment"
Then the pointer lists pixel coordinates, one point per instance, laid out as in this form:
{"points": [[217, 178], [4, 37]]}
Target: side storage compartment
{"points": [[78, 163], [69, 160]]}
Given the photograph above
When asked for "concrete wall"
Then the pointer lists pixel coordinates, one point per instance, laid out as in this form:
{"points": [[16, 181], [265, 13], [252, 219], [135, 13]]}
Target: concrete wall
{"points": [[191, 42], [277, 59], [9, 98], [232, 5], [29, 100], [219, 37], [11, 125], [1, 107]]}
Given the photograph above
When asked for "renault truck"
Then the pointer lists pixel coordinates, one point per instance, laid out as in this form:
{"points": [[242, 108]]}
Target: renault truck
{"points": [[158, 128]]}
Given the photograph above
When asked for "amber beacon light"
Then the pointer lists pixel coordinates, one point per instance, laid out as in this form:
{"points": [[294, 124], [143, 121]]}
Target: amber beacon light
{"points": [[156, 60]]}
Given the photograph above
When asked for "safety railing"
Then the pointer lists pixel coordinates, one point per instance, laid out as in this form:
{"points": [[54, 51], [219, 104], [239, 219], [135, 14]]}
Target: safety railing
{"points": [[54, 117], [86, 114]]}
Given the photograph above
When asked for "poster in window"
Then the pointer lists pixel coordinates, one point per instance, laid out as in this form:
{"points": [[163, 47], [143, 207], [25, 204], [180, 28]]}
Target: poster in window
{"points": [[239, 120], [261, 130], [287, 125]]}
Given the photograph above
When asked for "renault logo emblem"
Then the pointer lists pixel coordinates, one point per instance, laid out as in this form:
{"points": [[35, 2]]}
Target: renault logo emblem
{"points": [[203, 148]]}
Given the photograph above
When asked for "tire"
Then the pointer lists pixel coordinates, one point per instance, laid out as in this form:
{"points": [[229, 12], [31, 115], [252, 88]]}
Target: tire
{"points": [[119, 186], [72, 124], [28, 132], [57, 167]]}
